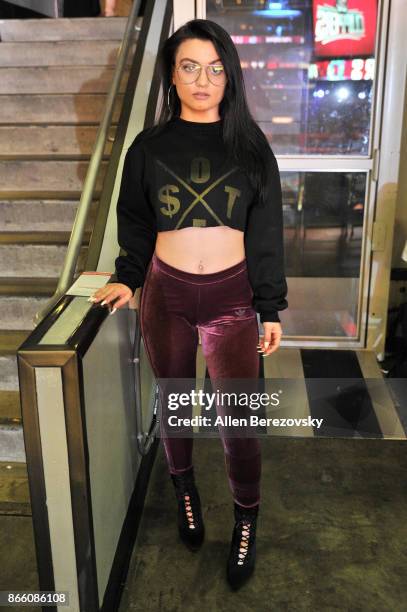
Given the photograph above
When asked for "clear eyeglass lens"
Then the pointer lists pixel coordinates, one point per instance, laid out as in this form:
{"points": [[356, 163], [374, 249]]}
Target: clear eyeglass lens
{"points": [[189, 73]]}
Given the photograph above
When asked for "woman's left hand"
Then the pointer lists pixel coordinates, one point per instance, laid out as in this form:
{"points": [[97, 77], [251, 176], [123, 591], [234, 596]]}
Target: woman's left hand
{"points": [[271, 338]]}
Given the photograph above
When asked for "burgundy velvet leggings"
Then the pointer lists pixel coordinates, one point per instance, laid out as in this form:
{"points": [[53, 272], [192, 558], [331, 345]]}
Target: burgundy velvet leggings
{"points": [[174, 304]]}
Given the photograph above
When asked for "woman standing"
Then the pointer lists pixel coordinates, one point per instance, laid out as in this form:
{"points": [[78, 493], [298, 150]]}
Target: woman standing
{"points": [[200, 221]]}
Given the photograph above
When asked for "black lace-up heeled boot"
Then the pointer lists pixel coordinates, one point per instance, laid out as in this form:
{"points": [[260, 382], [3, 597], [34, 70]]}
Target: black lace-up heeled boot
{"points": [[190, 522], [242, 554]]}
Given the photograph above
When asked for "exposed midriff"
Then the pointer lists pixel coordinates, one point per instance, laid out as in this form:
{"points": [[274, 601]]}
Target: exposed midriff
{"points": [[201, 250]]}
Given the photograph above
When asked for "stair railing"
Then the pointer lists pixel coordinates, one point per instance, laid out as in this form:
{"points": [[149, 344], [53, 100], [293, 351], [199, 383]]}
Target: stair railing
{"points": [[76, 239]]}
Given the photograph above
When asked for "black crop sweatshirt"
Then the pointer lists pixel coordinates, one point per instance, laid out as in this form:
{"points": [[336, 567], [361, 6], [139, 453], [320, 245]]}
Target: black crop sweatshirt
{"points": [[182, 177]]}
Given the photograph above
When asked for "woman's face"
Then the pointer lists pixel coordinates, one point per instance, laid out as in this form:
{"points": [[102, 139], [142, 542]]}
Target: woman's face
{"points": [[189, 81]]}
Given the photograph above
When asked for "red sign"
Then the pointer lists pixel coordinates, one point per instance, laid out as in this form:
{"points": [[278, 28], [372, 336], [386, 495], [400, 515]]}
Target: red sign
{"points": [[344, 27]]}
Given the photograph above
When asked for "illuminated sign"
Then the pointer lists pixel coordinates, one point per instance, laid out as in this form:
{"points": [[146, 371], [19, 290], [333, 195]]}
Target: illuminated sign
{"points": [[341, 70], [258, 39], [355, 69], [344, 27]]}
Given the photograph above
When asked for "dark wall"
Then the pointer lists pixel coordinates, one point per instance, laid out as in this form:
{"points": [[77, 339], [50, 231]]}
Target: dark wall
{"points": [[72, 8], [84, 8], [10, 11]]}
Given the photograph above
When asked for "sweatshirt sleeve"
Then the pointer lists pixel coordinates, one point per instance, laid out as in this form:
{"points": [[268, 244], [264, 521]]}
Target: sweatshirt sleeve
{"points": [[264, 246], [136, 223]]}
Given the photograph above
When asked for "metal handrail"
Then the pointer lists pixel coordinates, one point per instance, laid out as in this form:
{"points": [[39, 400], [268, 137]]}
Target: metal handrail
{"points": [[76, 238]]}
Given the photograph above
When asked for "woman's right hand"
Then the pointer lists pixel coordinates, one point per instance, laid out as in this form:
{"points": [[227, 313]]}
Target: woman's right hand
{"points": [[110, 292]]}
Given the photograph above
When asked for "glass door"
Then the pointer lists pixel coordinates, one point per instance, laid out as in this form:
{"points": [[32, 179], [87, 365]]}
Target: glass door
{"points": [[310, 69]]}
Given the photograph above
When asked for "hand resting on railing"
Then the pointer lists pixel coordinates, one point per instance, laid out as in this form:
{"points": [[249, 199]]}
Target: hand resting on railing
{"points": [[114, 296]]}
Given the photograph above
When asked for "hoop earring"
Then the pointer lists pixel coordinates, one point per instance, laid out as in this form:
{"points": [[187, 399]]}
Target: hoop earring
{"points": [[168, 96]]}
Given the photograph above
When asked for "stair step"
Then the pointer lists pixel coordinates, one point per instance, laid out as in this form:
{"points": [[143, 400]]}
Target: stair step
{"points": [[45, 238], [10, 341], [12, 443], [8, 362], [50, 141], [27, 286], [28, 109], [46, 179], [48, 125], [42, 215], [35, 260], [86, 28], [51, 80], [19, 311], [61, 53], [15, 490], [10, 408]]}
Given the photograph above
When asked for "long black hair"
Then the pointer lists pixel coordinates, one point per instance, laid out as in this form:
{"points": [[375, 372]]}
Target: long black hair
{"points": [[244, 141]]}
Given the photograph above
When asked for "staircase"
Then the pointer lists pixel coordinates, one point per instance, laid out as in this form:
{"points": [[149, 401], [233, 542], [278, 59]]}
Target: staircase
{"points": [[54, 78]]}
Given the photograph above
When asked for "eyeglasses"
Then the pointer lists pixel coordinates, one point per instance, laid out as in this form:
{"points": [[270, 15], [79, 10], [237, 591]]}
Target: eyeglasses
{"points": [[189, 72]]}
